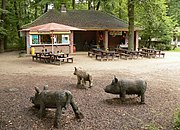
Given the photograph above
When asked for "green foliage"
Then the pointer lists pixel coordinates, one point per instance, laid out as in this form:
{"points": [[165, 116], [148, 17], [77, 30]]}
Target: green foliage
{"points": [[177, 120], [120, 9], [152, 17], [174, 9], [3, 32], [177, 49], [157, 18], [168, 47], [150, 127], [163, 47]]}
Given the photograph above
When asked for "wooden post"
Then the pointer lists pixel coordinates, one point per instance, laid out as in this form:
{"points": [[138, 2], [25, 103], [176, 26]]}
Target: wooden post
{"points": [[106, 40], [137, 40], [28, 47], [131, 25], [71, 42]]}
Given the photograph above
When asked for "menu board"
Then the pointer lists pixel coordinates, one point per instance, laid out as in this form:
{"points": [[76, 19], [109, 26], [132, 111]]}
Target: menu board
{"points": [[34, 39]]}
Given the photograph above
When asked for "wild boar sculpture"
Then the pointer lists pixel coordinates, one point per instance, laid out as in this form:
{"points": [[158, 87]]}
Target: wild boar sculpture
{"points": [[127, 86], [82, 77], [54, 99]]}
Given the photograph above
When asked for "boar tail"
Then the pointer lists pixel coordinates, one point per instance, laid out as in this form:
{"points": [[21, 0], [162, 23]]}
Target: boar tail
{"points": [[68, 98], [145, 86], [89, 77]]}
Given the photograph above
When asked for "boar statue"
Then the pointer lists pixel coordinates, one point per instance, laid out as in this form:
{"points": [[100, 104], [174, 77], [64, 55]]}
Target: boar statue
{"points": [[82, 77], [54, 99], [127, 86]]}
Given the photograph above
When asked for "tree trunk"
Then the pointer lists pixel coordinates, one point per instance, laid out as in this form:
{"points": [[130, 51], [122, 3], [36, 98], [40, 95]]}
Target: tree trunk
{"points": [[131, 25], [73, 4], [89, 4], [35, 12], [2, 41], [46, 8], [98, 5], [17, 17], [120, 10]]}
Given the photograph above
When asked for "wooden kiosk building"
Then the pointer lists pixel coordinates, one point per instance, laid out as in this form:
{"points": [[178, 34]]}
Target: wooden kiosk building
{"points": [[81, 29]]}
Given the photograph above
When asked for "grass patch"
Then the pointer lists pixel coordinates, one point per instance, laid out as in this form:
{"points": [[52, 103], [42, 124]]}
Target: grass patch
{"points": [[177, 120], [176, 50], [150, 127]]}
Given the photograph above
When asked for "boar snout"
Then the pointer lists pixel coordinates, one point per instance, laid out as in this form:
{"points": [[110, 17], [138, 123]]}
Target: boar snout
{"points": [[106, 89], [32, 99]]}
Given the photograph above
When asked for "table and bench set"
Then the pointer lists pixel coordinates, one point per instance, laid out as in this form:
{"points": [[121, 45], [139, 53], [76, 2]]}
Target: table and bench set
{"points": [[48, 57], [102, 54], [120, 53]]}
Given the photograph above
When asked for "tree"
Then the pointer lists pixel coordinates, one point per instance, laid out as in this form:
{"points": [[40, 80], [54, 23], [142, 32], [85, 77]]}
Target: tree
{"points": [[2, 38], [174, 9], [157, 18], [131, 25], [151, 16]]}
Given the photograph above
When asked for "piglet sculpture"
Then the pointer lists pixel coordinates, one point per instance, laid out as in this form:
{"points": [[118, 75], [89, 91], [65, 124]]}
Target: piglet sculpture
{"points": [[82, 77], [54, 99], [127, 86]]}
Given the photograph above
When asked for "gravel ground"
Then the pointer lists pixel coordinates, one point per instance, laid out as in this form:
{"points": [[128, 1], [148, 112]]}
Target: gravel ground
{"points": [[102, 111]]}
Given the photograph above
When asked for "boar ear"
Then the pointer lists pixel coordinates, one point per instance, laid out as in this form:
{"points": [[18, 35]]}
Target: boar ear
{"points": [[116, 80], [37, 89], [46, 87], [75, 68]]}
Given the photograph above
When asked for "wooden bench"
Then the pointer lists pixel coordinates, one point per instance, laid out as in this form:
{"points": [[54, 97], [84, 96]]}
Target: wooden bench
{"points": [[147, 54], [91, 53], [45, 59], [124, 56], [62, 59], [140, 55], [35, 57], [101, 57], [151, 55], [163, 54], [117, 55], [98, 55]]}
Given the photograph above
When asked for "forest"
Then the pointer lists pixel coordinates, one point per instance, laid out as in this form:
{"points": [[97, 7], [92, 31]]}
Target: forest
{"points": [[157, 18]]}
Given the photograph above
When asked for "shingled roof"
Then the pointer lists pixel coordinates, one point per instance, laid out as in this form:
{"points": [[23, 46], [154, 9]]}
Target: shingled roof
{"points": [[85, 19]]}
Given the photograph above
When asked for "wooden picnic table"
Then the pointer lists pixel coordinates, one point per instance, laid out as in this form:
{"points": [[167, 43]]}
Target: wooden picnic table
{"points": [[102, 54], [152, 52], [123, 53], [52, 58], [45, 57], [61, 57]]}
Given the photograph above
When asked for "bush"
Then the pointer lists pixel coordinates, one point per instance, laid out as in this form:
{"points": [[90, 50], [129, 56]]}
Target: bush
{"points": [[168, 47], [159, 46], [177, 120], [150, 127], [163, 47]]}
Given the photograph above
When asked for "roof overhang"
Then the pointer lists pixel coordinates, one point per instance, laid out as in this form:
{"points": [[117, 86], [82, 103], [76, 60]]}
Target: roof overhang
{"points": [[110, 29], [50, 32]]}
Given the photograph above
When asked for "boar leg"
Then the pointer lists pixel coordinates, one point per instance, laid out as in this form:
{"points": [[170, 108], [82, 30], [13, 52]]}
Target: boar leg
{"points": [[79, 80], [123, 96], [57, 117], [78, 114], [90, 83], [142, 98], [41, 110], [83, 82]]}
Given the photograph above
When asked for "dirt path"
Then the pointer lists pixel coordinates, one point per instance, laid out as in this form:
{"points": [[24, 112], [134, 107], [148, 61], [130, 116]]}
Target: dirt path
{"points": [[19, 76]]}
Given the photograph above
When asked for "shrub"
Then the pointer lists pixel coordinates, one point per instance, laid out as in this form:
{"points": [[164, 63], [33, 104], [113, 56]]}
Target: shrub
{"points": [[163, 47], [150, 127], [168, 47], [177, 120]]}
